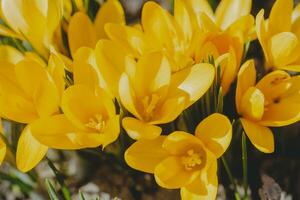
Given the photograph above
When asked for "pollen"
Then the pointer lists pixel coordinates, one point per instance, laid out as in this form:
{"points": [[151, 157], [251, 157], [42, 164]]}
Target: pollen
{"points": [[96, 122], [191, 160], [149, 105]]}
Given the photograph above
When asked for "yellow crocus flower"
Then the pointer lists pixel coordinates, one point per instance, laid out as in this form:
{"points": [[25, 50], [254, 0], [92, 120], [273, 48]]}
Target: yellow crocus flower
{"points": [[89, 116], [185, 161], [187, 35], [154, 96], [82, 32], [280, 35], [29, 92], [2, 145], [34, 20], [272, 102]]}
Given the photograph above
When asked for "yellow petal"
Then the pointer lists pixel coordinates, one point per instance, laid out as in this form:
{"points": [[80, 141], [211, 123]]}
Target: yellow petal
{"points": [[207, 24], [128, 96], [170, 110], [29, 151], [282, 108], [179, 142], [112, 60], [56, 69], [133, 40], [252, 104], [183, 18], [246, 79], [284, 53], [80, 103], [215, 132], [242, 28], [228, 11], [81, 32], [145, 155], [198, 7], [262, 33], [160, 25], [153, 72], [261, 137], [111, 132], [59, 133], [171, 173], [137, 129], [2, 150], [195, 81], [110, 11], [10, 54], [280, 18], [14, 103]]}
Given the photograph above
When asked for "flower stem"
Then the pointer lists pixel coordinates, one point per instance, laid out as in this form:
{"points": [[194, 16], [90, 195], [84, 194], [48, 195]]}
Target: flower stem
{"points": [[236, 194], [60, 180], [245, 166]]}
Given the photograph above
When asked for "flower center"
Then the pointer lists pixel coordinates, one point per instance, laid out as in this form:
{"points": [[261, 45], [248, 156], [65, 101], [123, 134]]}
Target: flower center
{"points": [[96, 122], [149, 105], [191, 160]]}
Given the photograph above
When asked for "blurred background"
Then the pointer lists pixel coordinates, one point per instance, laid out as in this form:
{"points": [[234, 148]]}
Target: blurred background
{"points": [[101, 175]]}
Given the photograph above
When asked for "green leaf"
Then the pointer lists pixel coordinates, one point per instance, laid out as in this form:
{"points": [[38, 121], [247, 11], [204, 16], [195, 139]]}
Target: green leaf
{"points": [[81, 196], [51, 191]]}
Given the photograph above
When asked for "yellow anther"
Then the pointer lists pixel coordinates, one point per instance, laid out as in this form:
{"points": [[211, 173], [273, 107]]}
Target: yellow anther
{"points": [[191, 160], [96, 122]]}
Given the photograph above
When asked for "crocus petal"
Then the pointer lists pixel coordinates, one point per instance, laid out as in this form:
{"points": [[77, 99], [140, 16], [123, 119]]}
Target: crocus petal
{"points": [[132, 39], [171, 173], [2, 150], [111, 132], [229, 11], [56, 69], [29, 151], [195, 81], [158, 23], [153, 73], [183, 18], [14, 103], [4, 31], [207, 24], [198, 7], [10, 54], [215, 132], [137, 129], [81, 32], [170, 110], [127, 95], [59, 133], [179, 142], [262, 33], [284, 53], [261, 137], [112, 61], [252, 104], [242, 28], [145, 155], [110, 11], [280, 18], [246, 78], [284, 109]]}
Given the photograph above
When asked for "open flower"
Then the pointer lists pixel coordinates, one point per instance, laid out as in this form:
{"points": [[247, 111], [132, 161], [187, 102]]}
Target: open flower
{"points": [[83, 33], [280, 37], [182, 160], [186, 35], [272, 102], [154, 96], [89, 116], [35, 21], [29, 92]]}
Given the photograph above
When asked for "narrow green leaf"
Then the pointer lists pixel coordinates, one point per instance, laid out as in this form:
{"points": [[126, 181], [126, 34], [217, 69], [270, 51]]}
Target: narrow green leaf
{"points": [[81, 196], [51, 191]]}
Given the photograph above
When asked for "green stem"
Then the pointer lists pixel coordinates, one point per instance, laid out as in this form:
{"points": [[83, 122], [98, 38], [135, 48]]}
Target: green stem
{"points": [[60, 179], [227, 169], [245, 165]]}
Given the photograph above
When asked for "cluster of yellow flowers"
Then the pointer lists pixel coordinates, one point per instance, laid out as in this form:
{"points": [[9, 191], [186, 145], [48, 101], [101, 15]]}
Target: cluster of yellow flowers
{"points": [[109, 75]]}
